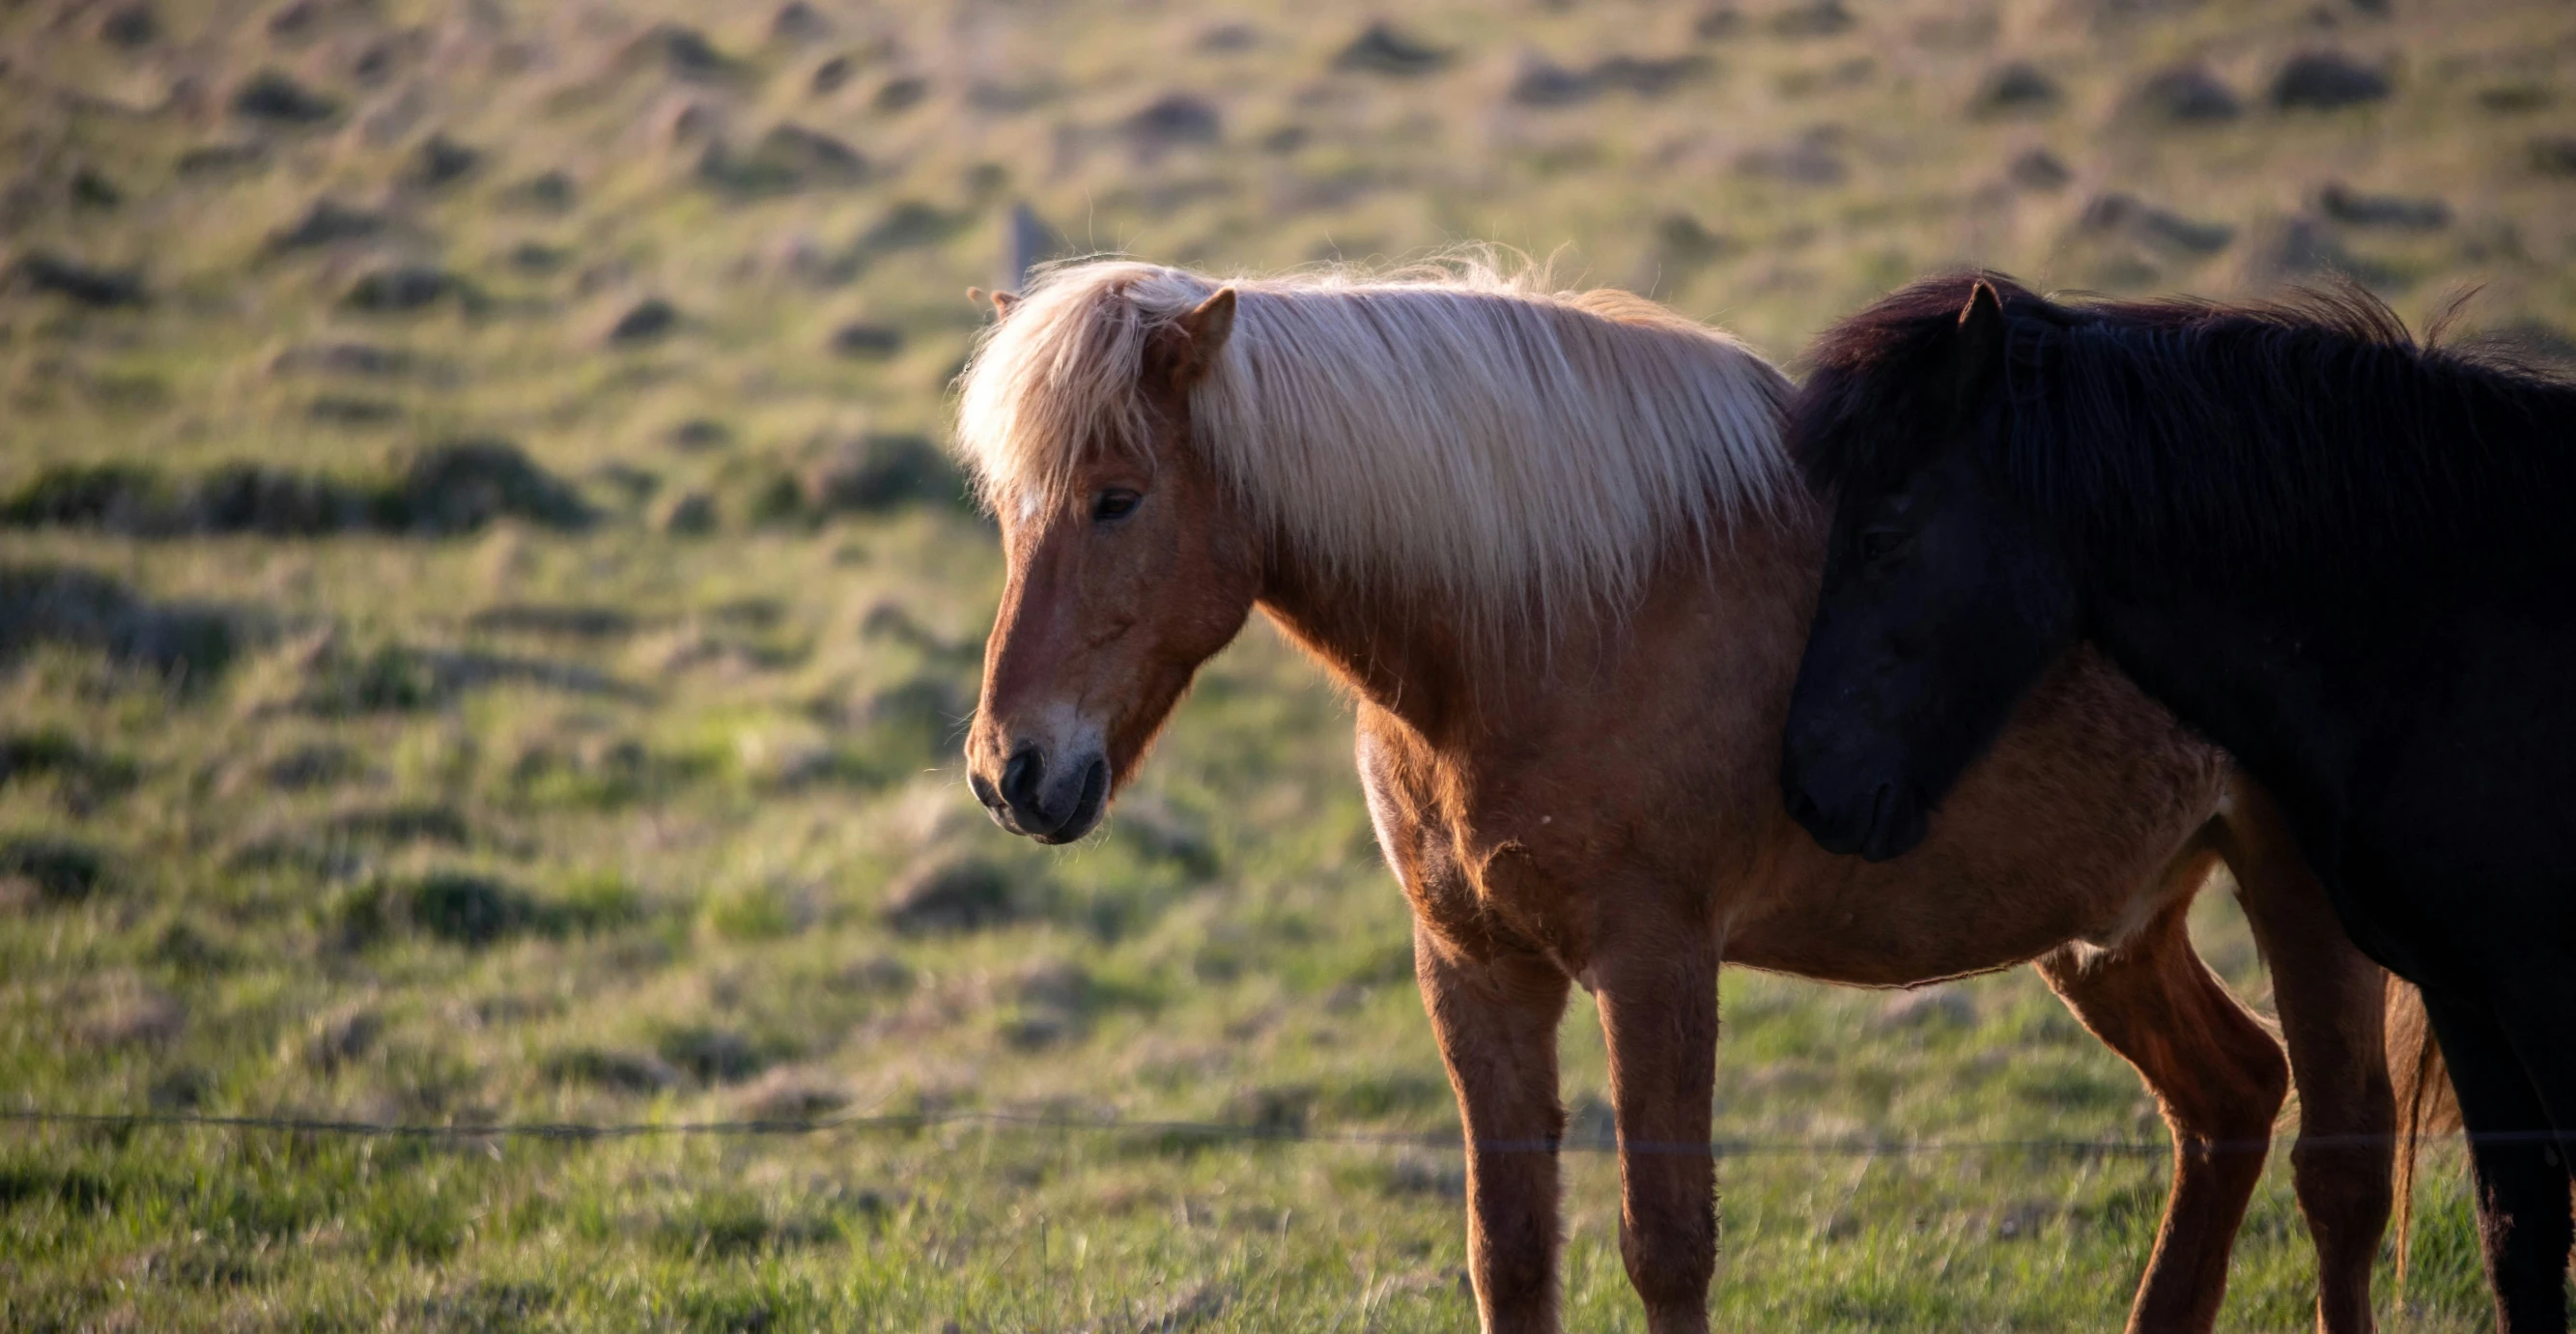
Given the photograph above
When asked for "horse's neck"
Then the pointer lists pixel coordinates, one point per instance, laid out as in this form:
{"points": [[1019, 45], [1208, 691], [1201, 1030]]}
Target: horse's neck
{"points": [[1394, 648], [1733, 611], [2277, 688]]}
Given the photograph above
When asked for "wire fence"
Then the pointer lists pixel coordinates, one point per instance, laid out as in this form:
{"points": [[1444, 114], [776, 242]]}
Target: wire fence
{"points": [[1210, 1132]]}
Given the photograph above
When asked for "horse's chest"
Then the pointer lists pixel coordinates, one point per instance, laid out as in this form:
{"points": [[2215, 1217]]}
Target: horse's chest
{"points": [[1502, 898], [1482, 886], [1515, 890]]}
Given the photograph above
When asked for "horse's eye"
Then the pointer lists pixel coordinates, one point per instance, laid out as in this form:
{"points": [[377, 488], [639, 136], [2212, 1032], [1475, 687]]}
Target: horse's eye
{"points": [[1878, 542], [1115, 503]]}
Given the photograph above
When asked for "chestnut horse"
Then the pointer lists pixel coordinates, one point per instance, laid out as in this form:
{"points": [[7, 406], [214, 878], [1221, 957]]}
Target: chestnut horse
{"points": [[1553, 546]]}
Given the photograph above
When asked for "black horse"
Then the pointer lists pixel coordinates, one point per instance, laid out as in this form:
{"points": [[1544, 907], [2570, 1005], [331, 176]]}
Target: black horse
{"points": [[2348, 558]]}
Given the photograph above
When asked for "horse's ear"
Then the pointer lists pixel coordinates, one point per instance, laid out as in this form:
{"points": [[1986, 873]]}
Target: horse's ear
{"points": [[1203, 333], [1981, 337], [1002, 301], [1981, 322]]}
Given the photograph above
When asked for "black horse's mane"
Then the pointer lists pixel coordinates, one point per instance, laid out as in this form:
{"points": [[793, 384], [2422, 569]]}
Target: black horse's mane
{"points": [[2306, 437]]}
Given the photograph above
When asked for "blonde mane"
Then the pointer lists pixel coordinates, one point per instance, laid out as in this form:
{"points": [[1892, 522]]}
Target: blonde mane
{"points": [[1520, 451]]}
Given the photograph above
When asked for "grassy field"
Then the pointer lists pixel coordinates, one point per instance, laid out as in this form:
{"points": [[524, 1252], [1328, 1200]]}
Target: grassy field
{"points": [[485, 627]]}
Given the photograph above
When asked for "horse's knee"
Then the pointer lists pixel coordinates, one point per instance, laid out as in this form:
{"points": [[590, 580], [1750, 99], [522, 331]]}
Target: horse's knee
{"points": [[2345, 1180], [1671, 1254], [2344, 1191], [2258, 1071], [2267, 1082], [2230, 1105]]}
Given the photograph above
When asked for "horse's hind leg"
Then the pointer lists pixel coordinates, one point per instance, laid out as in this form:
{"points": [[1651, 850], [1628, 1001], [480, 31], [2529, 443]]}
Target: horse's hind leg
{"points": [[2333, 1004], [1496, 1017], [2220, 1080]]}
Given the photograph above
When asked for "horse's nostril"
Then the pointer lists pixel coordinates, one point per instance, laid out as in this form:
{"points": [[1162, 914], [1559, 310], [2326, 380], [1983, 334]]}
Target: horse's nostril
{"points": [[1020, 777]]}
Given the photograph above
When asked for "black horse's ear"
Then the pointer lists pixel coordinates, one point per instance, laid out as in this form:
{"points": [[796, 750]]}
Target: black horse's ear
{"points": [[1981, 337], [1981, 321]]}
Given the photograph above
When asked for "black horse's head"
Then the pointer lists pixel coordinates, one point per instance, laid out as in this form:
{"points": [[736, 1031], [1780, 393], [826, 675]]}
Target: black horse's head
{"points": [[1943, 602]]}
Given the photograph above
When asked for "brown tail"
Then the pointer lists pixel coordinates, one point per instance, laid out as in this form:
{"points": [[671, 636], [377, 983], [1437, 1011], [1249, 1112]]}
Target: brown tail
{"points": [[2425, 1103]]}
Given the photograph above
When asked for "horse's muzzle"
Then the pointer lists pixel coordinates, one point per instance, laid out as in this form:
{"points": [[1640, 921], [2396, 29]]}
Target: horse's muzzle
{"points": [[1891, 824], [1046, 803]]}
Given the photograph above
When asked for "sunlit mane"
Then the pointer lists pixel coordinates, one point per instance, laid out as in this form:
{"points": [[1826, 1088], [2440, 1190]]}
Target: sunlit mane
{"points": [[1515, 449]]}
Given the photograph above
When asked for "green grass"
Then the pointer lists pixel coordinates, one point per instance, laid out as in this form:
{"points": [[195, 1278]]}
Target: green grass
{"points": [[632, 795]]}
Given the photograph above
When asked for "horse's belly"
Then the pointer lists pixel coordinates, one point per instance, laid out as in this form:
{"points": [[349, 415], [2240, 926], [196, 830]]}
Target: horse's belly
{"points": [[2066, 830], [1859, 939]]}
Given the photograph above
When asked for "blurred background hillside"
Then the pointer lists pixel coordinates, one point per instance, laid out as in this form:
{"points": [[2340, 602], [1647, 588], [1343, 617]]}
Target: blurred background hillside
{"points": [[584, 227], [485, 623]]}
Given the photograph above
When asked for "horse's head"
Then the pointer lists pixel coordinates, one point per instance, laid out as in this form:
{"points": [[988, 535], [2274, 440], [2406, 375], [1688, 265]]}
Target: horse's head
{"points": [[1128, 567], [1943, 601]]}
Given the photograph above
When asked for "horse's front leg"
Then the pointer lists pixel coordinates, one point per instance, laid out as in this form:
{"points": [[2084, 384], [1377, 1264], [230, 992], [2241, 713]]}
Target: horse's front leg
{"points": [[1657, 986], [2332, 1002], [1496, 1018]]}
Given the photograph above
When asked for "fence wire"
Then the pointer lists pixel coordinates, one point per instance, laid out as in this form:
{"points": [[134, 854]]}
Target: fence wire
{"points": [[1207, 1132]]}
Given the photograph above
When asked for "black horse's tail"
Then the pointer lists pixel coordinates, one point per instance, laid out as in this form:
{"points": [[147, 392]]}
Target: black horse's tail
{"points": [[2425, 1103]]}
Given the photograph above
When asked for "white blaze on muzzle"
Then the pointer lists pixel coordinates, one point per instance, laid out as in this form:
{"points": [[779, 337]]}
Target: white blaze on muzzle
{"points": [[1070, 739]]}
